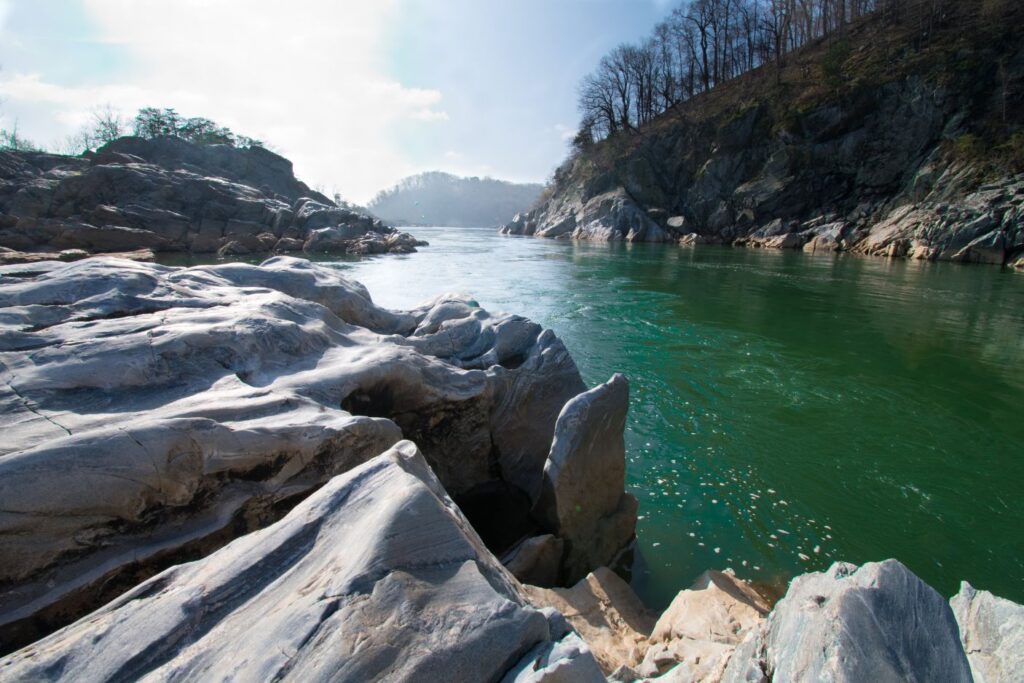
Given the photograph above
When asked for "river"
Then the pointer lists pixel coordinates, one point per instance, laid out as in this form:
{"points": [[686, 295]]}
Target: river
{"points": [[787, 410]]}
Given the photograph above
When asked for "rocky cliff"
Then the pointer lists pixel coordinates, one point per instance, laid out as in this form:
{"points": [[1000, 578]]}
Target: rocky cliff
{"points": [[169, 195], [918, 151]]}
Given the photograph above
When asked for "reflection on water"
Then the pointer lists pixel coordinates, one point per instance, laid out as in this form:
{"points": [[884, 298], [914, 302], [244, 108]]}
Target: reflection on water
{"points": [[786, 410]]}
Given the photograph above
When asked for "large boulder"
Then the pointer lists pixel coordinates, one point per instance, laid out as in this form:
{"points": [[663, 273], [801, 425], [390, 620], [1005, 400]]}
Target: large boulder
{"points": [[992, 632], [877, 622], [582, 498], [375, 576], [151, 414]]}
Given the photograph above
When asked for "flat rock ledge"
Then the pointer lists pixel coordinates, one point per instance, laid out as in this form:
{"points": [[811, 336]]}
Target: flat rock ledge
{"points": [[169, 195], [153, 414]]}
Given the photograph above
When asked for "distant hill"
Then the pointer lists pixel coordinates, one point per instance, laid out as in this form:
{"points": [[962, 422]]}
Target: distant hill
{"points": [[437, 198]]}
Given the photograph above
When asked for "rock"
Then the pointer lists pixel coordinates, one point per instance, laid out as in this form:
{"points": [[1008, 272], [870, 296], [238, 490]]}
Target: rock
{"points": [[691, 239], [695, 637], [167, 194], [717, 607], [581, 498], [237, 390], [563, 661], [606, 613], [14, 257], [536, 560], [992, 633], [677, 223], [414, 595], [877, 622], [614, 216]]}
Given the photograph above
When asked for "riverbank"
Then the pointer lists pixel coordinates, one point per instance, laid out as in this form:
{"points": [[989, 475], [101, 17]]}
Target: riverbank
{"points": [[261, 412]]}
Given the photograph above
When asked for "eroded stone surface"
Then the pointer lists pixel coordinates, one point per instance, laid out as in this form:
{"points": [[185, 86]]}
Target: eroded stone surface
{"points": [[582, 498], [876, 622], [375, 576], [606, 613], [695, 637], [151, 414]]}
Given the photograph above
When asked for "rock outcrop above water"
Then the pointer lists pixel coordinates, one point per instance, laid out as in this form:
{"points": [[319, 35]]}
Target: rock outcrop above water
{"points": [[582, 497], [877, 622], [919, 153], [152, 414], [992, 632], [376, 576], [169, 195]]}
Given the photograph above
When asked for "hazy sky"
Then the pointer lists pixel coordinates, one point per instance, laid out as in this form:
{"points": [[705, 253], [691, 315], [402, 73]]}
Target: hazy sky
{"points": [[358, 93]]}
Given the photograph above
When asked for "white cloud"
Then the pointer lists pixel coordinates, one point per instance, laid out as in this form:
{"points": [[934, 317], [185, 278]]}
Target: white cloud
{"points": [[564, 132], [305, 76]]}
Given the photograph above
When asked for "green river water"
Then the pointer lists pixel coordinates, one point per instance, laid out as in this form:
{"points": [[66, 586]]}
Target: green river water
{"points": [[787, 410]]}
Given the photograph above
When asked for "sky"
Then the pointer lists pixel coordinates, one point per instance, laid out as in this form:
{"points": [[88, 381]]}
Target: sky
{"points": [[357, 93]]}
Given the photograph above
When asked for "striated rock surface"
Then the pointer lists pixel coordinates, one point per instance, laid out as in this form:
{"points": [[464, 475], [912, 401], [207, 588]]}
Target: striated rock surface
{"points": [[582, 497], [992, 633], [606, 613], [167, 194], [375, 576], [152, 414], [877, 622]]}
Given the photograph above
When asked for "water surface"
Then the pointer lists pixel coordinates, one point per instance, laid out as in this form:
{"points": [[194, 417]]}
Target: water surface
{"points": [[787, 410]]}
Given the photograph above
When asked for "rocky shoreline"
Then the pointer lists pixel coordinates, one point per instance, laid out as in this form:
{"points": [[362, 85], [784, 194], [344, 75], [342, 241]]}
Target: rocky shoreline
{"points": [[982, 226], [168, 195], [254, 472], [922, 163]]}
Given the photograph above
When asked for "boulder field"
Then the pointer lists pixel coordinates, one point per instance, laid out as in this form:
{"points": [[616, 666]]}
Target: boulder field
{"points": [[169, 195], [255, 473]]}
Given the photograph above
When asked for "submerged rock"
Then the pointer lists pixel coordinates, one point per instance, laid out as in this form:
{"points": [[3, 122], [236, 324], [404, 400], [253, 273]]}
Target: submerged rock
{"points": [[152, 414], [992, 633], [375, 576], [877, 622]]}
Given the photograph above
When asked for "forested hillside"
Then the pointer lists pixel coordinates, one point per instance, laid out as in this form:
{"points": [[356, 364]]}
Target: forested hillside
{"points": [[887, 127]]}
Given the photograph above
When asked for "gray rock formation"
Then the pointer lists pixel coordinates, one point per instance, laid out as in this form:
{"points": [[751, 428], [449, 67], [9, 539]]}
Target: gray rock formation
{"points": [[152, 414], [992, 633], [537, 560], [375, 576], [870, 172], [167, 194], [582, 498], [877, 622]]}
